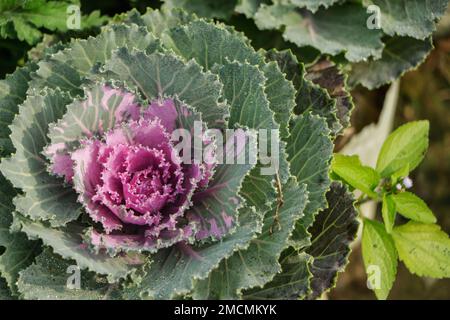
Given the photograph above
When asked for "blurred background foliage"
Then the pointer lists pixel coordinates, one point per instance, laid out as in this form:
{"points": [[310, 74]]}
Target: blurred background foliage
{"points": [[424, 94]]}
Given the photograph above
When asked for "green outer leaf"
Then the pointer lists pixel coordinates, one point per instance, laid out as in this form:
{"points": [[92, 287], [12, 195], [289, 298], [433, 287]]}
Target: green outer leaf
{"points": [[5, 293], [204, 8], [401, 54], [68, 69], [350, 169], [45, 197], [413, 18], [249, 7], [68, 243], [259, 262], [329, 76], [292, 283], [313, 5], [244, 85], [215, 45], [310, 151], [411, 206], [407, 145], [310, 89], [159, 21], [47, 277], [388, 212], [173, 270], [379, 251], [12, 93], [424, 249], [19, 251], [158, 75], [332, 31], [333, 231]]}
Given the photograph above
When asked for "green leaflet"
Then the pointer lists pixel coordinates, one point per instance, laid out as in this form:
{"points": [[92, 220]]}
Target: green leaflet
{"points": [[173, 270], [406, 146], [424, 248], [158, 75], [413, 18], [351, 170], [48, 278], [18, 252], [68, 243], [45, 198], [388, 212], [310, 151], [341, 28], [411, 206], [332, 232], [380, 257], [259, 262], [68, 69], [401, 54]]}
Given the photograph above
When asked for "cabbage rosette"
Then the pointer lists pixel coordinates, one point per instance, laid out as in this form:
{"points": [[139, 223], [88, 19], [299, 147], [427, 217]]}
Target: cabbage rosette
{"points": [[98, 175]]}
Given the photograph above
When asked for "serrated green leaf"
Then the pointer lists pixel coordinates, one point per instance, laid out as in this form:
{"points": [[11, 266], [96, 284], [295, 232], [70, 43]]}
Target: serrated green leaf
{"points": [[5, 293], [380, 258], [424, 249], [407, 145], [68, 69], [204, 8], [330, 77], [312, 86], [48, 277], [292, 283], [332, 232], [68, 243], [341, 28], [413, 18], [159, 21], [12, 93], [259, 262], [350, 170], [411, 206], [18, 252], [249, 7], [313, 5], [167, 75], [173, 270], [45, 198], [388, 211], [400, 54], [309, 152]]}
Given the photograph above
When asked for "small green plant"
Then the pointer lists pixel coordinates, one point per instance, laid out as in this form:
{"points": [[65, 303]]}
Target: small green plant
{"points": [[419, 243]]}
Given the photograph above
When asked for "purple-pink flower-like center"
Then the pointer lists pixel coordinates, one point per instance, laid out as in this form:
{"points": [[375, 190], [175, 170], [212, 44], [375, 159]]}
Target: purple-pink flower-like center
{"points": [[132, 181]]}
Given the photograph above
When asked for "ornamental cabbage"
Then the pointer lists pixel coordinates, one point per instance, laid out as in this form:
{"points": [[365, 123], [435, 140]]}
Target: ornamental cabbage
{"points": [[97, 173]]}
